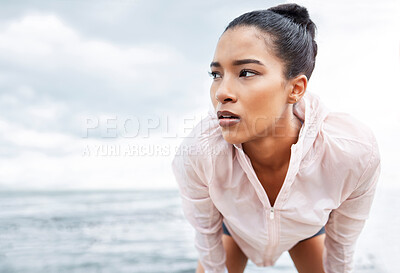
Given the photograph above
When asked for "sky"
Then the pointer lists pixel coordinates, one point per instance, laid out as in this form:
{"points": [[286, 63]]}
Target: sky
{"points": [[98, 94]]}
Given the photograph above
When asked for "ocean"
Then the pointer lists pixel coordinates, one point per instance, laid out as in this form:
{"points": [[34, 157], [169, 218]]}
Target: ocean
{"points": [[143, 232]]}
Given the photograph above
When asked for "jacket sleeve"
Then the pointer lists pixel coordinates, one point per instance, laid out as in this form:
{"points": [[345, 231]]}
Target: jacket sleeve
{"points": [[346, 222], [199, 210]]}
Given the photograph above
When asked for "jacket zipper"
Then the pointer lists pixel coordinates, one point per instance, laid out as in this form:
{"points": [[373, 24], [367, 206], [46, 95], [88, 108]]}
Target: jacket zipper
{"points": [[271, 246], [272, 234]]}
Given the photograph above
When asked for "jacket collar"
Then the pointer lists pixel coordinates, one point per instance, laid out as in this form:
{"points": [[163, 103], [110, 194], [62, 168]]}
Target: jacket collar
{"points": [[312, 112]]}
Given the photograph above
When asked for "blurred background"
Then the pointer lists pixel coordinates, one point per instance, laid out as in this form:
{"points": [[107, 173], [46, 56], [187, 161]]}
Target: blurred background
{"points": [[95, 97]]}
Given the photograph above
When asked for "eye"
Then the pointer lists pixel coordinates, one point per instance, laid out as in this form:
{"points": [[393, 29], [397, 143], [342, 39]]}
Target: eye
{"points": [[214, 75], [246, 73]]}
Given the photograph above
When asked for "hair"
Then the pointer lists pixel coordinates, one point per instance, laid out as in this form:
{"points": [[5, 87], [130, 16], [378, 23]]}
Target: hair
{"points": [[292, 34]]}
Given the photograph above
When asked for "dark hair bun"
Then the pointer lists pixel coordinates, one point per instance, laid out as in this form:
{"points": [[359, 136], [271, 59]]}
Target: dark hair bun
{"points": [[297, 14]]}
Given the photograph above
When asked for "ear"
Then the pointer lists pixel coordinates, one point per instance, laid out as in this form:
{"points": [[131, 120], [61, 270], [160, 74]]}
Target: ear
{"points": [[298, 86]]}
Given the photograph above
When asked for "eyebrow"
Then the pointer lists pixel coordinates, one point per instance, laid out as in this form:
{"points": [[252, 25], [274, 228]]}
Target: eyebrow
{"points": [[239, 62]]}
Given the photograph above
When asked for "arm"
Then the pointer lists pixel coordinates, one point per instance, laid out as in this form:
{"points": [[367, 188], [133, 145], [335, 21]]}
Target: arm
{"points": [[200, 211], [346, 222]]}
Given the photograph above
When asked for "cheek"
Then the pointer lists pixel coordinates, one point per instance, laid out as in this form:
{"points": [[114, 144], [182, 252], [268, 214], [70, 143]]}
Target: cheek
{"points": [[259, 104], [263, 107]]}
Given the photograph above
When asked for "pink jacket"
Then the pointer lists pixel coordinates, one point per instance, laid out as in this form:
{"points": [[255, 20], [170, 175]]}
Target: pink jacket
{"points": [[331, 180]]}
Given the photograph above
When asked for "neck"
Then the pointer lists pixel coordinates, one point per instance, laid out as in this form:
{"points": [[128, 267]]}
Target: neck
{"points": [[272, 153]]}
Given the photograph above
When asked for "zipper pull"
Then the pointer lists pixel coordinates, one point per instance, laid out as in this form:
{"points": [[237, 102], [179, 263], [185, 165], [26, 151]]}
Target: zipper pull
{"points": [[271, 214]]}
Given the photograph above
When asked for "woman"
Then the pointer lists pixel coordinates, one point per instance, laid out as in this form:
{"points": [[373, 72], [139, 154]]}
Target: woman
{"points": [[271, 169]]}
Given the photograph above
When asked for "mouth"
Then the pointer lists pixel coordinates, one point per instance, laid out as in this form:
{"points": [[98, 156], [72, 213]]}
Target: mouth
{"points": [[227, 119], [227, 115]]}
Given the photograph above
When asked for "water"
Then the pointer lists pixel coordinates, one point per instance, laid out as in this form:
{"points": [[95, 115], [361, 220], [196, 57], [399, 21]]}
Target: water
{"points": [[131, 231]]}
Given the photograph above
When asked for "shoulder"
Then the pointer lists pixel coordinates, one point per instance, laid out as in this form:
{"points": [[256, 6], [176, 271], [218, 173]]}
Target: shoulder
{"points": [[344, 126], [350, 144], [349, 135]]}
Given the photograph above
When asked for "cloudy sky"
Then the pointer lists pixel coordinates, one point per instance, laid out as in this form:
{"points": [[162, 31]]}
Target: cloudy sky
{"points": [[98, 94]]}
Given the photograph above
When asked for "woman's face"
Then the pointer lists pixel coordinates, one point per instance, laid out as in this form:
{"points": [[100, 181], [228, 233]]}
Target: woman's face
{"points": [[248, 81]]}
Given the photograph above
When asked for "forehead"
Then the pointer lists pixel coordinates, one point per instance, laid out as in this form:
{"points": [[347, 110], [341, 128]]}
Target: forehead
{"points": [[245, 42]]}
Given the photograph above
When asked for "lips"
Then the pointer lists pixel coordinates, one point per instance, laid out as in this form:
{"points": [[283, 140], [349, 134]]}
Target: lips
{"points": [[227, 119], [227, 115]]}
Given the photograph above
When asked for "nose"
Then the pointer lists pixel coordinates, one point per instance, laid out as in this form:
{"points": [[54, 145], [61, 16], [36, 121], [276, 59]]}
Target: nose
{"points": [[225, 92]]}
